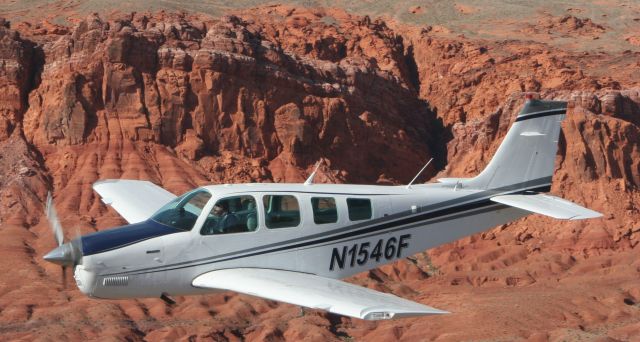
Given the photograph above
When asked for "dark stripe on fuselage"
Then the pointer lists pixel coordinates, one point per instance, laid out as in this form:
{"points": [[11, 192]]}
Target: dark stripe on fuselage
{"points": [[421, 218], [487, 206], [535, 185], [541, 114], [442, 209], [119, 237]]}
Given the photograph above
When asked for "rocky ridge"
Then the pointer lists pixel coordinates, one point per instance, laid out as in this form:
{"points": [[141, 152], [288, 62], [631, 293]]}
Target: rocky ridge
{"points": [[262, 95]]}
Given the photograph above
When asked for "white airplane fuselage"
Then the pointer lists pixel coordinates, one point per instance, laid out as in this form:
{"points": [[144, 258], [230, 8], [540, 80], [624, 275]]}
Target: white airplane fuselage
{"points": [[293, 242], [404, 221]]}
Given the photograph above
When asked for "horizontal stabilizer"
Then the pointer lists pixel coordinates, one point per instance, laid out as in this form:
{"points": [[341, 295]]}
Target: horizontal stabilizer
{"points": [[134, 200], [314, 292], [548, 205], [451, 180]]}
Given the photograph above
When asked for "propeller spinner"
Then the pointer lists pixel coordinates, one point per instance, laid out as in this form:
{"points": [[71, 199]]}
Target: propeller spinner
{"points": [[66, 254]]}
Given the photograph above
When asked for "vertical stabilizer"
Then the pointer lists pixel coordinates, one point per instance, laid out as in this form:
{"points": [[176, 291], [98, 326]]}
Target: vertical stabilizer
{"points": [[526, 157]]}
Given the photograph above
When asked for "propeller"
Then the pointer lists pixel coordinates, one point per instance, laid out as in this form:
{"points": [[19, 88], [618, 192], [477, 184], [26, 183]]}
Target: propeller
{"points": [[66, 254], [52, 216]]}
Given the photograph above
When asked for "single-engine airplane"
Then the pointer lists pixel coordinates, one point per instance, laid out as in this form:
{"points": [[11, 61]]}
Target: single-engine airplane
{"points": [[294, 242]]}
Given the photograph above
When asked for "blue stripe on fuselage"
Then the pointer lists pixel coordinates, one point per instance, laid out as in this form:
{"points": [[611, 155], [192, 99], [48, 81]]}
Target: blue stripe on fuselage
{"points": [[110, 239]]}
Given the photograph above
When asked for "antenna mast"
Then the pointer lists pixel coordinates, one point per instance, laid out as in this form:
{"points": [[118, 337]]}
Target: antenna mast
{"points": [[309, 180], [419, 172]]}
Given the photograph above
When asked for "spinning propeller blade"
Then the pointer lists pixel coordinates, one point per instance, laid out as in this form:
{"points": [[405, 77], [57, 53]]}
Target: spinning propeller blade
{"points": [[54, 221], [66, 254]]}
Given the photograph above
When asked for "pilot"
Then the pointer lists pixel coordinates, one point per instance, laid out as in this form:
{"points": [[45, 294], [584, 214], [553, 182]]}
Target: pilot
{"points": [[227, 221]]}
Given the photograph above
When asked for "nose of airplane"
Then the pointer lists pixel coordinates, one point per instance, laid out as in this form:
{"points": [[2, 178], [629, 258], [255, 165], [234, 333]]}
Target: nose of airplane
{"points": [[62, 255]]}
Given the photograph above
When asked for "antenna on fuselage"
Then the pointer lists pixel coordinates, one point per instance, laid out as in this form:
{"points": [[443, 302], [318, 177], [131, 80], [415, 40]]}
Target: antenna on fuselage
{"points": [[419, 172], [309, 180]]}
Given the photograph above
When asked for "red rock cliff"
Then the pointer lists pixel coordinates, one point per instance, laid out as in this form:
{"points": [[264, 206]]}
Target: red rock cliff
{"points": [[264, 94]]}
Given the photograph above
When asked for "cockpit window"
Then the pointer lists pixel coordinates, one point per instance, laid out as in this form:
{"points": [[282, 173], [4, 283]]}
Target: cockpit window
{"points": [[235, 214], [182, 212]]}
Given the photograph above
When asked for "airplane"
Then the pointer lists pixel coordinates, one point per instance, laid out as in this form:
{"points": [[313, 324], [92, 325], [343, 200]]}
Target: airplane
{"points": [[294, 243]]}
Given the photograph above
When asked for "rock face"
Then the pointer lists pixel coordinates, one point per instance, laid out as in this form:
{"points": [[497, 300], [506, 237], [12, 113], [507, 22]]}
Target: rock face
{"points": [[203, 88], [17, 58], [261, 96]]}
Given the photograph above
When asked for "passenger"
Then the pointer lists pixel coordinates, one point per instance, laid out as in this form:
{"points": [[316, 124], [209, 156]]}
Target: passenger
{"points": [[227, 222], [252, 218], [246, 203]]}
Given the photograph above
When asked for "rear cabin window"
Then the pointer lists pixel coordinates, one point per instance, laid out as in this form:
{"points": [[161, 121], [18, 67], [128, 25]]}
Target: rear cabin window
{"points": [[324, 210], [281, 211], [359, 208], [235, 214]]}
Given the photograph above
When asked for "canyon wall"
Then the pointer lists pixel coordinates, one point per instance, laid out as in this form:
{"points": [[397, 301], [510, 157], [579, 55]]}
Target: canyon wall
{"points": [[261, 96]]}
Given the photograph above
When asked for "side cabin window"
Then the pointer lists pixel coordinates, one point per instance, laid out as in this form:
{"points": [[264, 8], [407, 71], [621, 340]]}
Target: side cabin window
{"points": [[324, 210], [359, 209], [235, 214], [182, 212], [281, 211]]}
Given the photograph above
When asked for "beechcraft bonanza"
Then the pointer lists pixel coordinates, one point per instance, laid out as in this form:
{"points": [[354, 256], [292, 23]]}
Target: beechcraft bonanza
{"points": [[294, 242]]}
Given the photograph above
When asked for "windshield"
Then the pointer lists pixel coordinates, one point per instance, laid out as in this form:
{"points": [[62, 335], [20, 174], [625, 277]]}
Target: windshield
{"points": [[183, 211]]}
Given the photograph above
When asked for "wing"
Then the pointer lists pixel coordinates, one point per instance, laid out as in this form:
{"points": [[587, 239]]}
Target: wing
{"points": [[314, 292], [134, 200], [548, 205]]}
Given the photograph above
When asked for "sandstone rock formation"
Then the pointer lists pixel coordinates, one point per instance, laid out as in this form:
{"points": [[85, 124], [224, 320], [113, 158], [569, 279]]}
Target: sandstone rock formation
{"points": [[566, 24], [260, 96]]}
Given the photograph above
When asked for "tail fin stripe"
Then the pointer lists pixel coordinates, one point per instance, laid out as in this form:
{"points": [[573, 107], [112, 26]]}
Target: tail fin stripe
{"points": [[541, 114]]}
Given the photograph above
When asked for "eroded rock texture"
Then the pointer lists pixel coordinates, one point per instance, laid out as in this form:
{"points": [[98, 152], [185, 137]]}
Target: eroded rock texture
{"points": [[261, 96]]}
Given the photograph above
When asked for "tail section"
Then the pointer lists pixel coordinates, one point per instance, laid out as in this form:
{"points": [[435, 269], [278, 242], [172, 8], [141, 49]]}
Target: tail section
{"points": [[525, 159]]}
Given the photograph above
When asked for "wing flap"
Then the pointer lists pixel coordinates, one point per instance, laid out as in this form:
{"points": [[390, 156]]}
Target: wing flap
{"points": [[134, 200], [315, 292], [548, 205]]}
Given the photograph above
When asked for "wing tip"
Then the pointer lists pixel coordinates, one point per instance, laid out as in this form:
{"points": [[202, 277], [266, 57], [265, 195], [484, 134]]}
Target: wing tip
{"points": [[586, 216], [381, 314]]}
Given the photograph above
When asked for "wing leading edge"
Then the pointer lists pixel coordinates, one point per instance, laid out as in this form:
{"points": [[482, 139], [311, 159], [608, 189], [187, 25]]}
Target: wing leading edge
{"points": [[314, 292], [134, 200]]}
